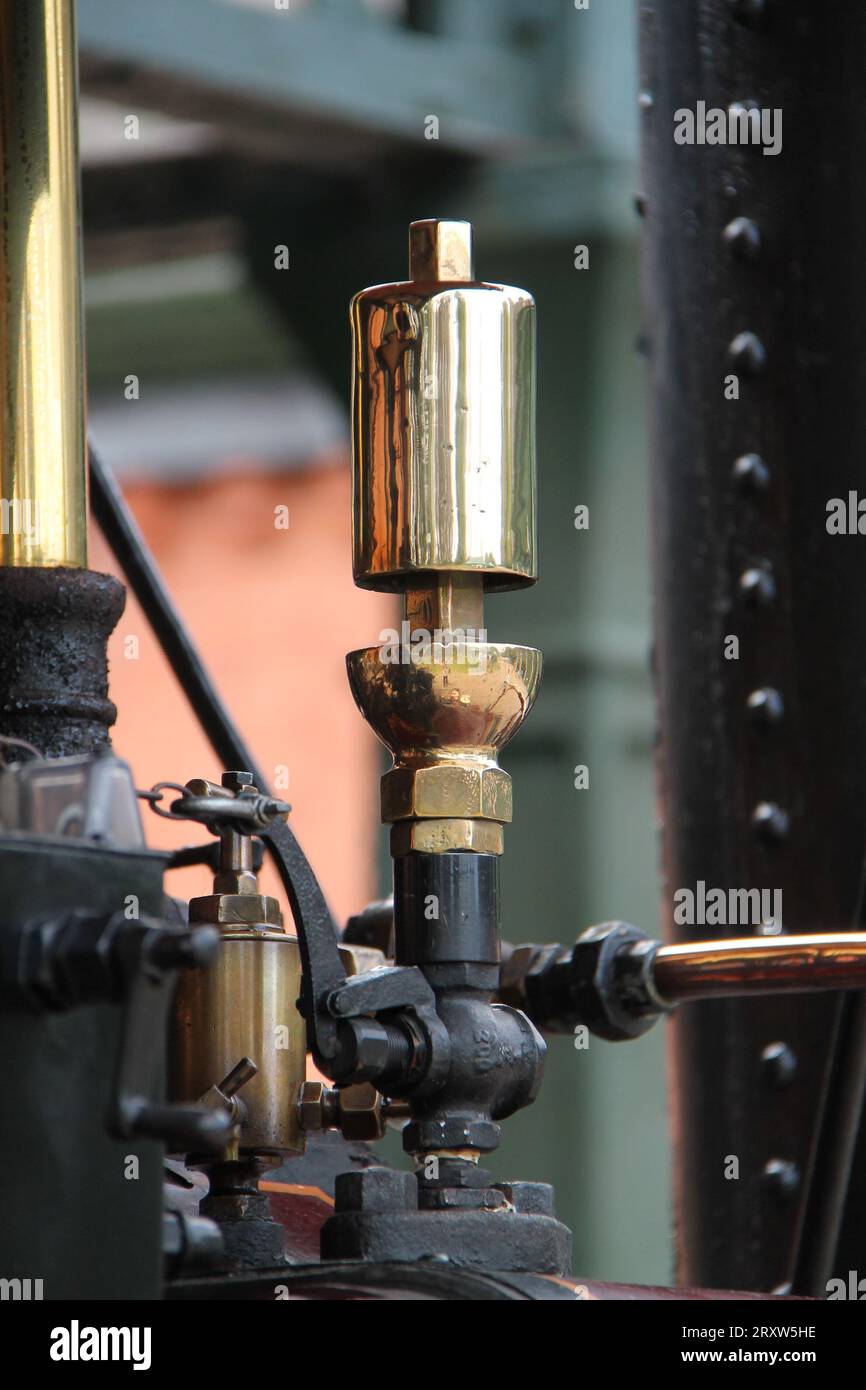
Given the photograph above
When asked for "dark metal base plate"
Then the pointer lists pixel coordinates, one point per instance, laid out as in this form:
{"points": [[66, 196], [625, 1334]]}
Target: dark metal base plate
{"points": [[506, 1241]]}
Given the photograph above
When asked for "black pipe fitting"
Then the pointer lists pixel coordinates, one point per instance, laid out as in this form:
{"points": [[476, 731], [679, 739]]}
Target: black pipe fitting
{"points": [[54, 626], [603, 982], [446, 922]]}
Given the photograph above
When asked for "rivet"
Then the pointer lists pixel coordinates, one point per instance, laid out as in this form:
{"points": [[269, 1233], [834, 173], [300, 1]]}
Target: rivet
{"points": [[770, 822], [765, 706], [742, 236], [640, 204], [782, 1176], [751, 473], [757, 586], [779, 1063], [769, 927], [747, 353], [752, 12], [736, 108]]}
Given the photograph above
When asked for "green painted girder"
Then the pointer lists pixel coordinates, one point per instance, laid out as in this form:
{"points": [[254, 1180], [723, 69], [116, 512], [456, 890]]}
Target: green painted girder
{"points": [[213, 59]]}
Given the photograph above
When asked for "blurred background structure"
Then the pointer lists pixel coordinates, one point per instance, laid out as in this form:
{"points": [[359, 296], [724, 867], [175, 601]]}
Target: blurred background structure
{"points": [[248, 165]]}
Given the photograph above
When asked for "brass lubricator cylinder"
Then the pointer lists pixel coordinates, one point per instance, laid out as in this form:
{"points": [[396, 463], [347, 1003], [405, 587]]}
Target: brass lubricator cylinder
{"points": [[444, 508], [43, 492], [243, 1008]]}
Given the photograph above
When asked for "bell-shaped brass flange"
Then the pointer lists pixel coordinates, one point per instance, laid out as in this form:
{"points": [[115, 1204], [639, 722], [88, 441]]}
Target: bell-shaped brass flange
{"points": [[445, 722]]}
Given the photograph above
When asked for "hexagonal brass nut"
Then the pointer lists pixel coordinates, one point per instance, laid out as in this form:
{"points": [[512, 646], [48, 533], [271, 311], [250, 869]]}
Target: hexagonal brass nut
{"points": [[440, 836], [361, 1112], [311, 1106], [237, 910], [444, 790], [357, 960]]}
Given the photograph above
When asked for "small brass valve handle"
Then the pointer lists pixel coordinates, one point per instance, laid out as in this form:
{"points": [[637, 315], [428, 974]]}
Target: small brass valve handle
{"points": [[224, 1094], [222, 1099]]}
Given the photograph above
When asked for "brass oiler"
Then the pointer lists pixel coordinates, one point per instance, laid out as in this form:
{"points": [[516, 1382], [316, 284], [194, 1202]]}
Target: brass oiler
{"points": [[444, 509], [243, 1009]]}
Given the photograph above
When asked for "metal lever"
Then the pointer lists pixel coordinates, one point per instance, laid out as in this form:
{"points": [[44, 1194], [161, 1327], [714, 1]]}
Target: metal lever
{"points": [[78, 958], [224, 1094], [151, 987]]}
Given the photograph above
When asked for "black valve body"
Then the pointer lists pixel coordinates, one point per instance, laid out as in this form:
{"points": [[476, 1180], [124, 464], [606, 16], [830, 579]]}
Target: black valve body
{"points": [[446, 921]]}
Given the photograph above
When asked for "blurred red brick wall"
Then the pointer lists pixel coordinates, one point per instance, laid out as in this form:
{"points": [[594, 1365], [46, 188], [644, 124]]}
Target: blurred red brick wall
{"points": [[273, 612]]}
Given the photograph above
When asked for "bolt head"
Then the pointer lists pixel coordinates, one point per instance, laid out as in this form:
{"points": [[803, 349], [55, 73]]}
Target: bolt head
{"points": [[236, 781], [361, 1115], [311, 1106], [376, 1190]]}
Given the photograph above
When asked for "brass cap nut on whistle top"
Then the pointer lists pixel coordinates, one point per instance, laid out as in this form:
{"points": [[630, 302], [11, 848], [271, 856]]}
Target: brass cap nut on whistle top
{"points": [[443, 421]]}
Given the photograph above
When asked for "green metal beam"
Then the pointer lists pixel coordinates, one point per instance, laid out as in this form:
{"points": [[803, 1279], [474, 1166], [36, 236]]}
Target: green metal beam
{"points": [[361, 73]]}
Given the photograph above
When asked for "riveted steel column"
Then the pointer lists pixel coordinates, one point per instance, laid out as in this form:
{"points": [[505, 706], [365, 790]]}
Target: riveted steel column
{"points": [[754, 267]]}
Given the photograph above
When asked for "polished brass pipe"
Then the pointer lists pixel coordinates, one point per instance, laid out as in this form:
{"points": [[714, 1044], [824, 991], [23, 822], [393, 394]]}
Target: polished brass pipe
{"points": [[43, 491], [760, 965]]}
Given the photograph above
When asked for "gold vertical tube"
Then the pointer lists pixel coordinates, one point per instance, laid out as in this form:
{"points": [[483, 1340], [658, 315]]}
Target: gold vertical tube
{"points": [[43, 477]]}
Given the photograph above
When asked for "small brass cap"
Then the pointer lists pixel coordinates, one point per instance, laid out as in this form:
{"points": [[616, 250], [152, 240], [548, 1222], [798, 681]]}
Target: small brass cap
{"points": [[450, 833], [236, 910], [440, 250]]}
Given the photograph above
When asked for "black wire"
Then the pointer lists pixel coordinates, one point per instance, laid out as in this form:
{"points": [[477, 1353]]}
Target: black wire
{"points": [[835, 1147], [822, 1213], [312, 918], [129, 547]]}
